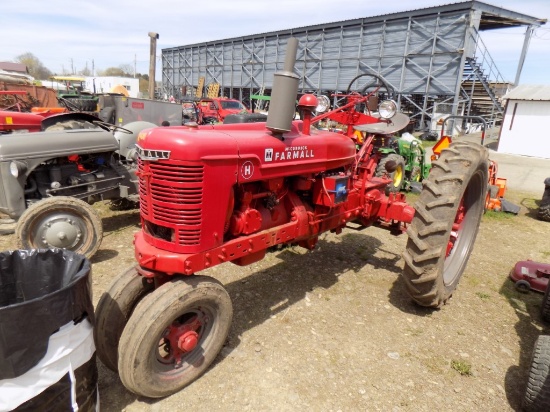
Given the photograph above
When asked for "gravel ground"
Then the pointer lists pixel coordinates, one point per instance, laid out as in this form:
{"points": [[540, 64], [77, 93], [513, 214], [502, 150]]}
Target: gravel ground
{"points": [[334, 329]]}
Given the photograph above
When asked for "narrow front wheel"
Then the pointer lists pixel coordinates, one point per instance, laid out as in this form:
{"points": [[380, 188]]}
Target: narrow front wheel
{"points": [[173, 336], [113, 311]]}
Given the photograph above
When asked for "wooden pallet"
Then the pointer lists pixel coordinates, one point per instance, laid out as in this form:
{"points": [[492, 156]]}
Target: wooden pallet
{"points": [[213, 90], [200, 87]]}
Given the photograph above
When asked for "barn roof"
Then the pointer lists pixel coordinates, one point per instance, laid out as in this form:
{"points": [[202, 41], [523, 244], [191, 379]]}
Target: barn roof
{"points": [[529, 92], [13, 67]]}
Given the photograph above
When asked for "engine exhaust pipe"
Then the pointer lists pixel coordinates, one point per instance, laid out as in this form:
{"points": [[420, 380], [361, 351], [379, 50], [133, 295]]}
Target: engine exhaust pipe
{"points": [[283, 95]]}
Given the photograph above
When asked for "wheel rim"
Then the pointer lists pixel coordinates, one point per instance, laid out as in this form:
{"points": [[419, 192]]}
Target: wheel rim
{"points": [[63, 230], [397, 176], [184, 342], [415, 174], [464, 230]]}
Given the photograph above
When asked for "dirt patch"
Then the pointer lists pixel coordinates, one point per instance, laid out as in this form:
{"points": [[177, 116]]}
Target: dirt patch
{"points": [[334, 329]]}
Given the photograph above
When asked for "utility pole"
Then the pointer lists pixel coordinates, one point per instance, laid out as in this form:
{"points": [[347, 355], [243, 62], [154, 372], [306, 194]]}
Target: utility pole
{"points": [[135, 62], [152, 63], [93, 68]]}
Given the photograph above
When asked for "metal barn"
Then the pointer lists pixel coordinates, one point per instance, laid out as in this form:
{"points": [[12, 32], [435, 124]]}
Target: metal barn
{"points": [[432, 58]]}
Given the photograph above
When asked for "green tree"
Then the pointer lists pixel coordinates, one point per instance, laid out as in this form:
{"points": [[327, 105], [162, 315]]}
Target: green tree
{"points": [[111, 71], [124, 70], [128, 70], [143, 84], [34, 66]]}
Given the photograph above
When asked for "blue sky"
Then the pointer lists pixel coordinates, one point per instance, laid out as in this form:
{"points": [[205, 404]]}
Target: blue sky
{"points": [[65, 34]]}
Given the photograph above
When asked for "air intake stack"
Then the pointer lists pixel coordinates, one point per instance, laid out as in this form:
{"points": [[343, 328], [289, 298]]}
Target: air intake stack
{"points": [[283, 96]]}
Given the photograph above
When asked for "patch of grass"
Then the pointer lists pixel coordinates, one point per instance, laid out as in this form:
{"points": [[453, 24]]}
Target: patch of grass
{"points": [[363, 254], [499, 216], [414, 331], [412, 197], [483, 296], [530, 203], [462, 367], [435, 364], [473, 280]]}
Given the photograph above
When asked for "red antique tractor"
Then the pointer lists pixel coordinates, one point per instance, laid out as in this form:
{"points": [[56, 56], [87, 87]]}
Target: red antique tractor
{"points": [[226, 193]]}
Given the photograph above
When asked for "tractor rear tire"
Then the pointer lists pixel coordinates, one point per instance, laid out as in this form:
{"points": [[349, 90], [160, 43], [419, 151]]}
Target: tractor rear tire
{"points": [[537, 393], [446, 222], [545, 308], [113, 311], [149, 364], [60, 222], [397, 176], [543, 212]]}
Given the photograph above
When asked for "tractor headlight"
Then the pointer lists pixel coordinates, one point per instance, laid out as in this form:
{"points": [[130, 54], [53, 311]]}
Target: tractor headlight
{"points": [[323, 104], [387, 109], [17, 168]]}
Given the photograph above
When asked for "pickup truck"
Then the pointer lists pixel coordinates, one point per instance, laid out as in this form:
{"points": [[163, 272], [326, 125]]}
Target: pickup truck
{"points": [[214, 110]]}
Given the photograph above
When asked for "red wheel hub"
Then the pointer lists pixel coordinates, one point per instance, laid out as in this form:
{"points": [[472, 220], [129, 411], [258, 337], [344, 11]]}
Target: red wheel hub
{"points": [[188, 341], [183, 337]]}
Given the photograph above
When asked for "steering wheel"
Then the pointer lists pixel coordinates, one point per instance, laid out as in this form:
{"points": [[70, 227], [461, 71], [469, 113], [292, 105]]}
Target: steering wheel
{"points": [[377, 81], [111, 127], [370, 89]]}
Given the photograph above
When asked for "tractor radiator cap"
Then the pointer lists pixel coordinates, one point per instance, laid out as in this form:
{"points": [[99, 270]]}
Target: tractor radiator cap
{"points": [[396, 123]]}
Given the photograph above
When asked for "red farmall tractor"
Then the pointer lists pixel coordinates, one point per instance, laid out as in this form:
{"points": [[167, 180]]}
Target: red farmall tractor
{"points": [[226, 193]]}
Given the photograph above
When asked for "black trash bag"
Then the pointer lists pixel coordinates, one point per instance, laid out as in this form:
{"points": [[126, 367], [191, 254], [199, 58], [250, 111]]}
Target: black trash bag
{"points": [[40, 291]]}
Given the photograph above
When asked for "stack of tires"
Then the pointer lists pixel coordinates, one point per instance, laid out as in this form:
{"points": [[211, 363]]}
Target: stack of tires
{"points": [[47, 352]]}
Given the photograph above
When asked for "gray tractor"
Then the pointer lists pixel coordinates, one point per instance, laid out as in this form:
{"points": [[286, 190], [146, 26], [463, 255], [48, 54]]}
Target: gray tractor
{"points": [[50, 179]]}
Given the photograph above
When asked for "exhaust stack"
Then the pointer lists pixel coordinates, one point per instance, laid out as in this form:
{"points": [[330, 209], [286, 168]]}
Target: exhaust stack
{"points": [[152, 63], [283, 95]]}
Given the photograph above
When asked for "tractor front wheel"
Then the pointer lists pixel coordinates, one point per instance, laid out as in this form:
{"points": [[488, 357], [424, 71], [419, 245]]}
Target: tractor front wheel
{"points": [[397, 176], [113, 311], [173, 336], [446, 222], [60, 222]]}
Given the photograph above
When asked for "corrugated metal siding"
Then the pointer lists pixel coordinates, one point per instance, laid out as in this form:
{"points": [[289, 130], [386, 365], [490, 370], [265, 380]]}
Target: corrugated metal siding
{"points": [[330, 57]]}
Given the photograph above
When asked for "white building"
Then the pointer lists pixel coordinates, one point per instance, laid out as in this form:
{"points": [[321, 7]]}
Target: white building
{"points": [[99, 84], [524, 129]]}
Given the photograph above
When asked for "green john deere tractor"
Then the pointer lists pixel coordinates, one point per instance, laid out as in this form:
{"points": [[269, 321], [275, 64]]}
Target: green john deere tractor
{"points": [[406, 151], [410, 158]]}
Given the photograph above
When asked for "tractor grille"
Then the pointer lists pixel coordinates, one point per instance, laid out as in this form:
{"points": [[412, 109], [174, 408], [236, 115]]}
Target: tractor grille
{"points": [[171, 196]]}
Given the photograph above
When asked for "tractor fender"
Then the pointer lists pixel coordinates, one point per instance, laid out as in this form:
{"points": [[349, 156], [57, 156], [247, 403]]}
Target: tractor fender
{"points": [[127, 141], [387, 150], [41, 146]]}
